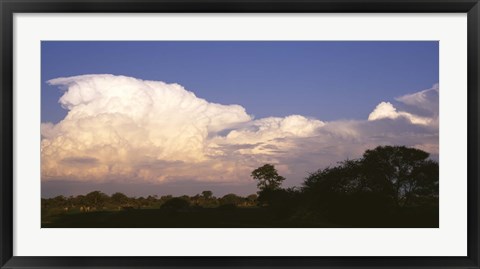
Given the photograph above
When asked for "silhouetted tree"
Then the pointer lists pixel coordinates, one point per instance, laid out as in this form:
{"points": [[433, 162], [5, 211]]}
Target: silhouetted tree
{"points": [[404, 174], [283, 202], [372, 188], [252, 199], [267, 177], [231, 199], [175, 204], [119, 198], [96, 199], [207, 194], [60, 200]]}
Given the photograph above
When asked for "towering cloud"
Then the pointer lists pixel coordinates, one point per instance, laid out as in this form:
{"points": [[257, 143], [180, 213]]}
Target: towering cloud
{"points": [[126, 129], [122, 121]]}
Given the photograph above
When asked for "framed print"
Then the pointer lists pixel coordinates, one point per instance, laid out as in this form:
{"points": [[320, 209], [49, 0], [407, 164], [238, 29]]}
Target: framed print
{"points": [[232, 133]]}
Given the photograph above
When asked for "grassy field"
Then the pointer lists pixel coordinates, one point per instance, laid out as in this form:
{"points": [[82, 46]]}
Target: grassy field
{"points": [[250, 217], [255, 217]]}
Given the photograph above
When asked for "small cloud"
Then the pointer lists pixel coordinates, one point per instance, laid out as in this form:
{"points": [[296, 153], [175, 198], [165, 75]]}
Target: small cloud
{"points": [[385, 110], [425, 101]]}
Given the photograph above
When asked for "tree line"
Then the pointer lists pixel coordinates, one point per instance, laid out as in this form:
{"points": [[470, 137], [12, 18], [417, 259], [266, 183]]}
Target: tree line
{"points": [[99, 201], [389, 186]]}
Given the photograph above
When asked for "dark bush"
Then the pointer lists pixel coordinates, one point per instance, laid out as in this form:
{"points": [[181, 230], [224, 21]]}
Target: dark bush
{"points": [[176, 204]]}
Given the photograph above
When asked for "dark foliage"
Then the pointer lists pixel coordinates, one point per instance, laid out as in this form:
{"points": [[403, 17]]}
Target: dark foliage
{"points": [[389, 186], [267, 177], [176, 204], [386, 186]]}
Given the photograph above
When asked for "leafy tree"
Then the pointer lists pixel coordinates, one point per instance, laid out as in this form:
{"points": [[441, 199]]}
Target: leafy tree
{"points": [[96, 199], [231, 199], [79, 200], [282, 202], [207, 194], [267, 177], [175, 204], [151, 201], [119, 198], [403, 174], [252, 199], [383, 183], [60, 200], [166, 197]]}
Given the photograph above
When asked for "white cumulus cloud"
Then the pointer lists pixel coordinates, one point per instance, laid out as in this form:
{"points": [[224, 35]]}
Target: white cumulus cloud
{"points": [[125, 129], [422, 106], [385, 110], [122, 121]]}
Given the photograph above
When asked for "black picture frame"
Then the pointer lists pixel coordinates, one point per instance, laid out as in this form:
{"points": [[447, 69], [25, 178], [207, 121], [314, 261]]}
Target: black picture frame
{"points": [[9, 7]]}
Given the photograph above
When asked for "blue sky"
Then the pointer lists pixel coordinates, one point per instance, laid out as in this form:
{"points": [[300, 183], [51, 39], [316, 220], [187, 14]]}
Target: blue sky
{"points": [[325, 80]]}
